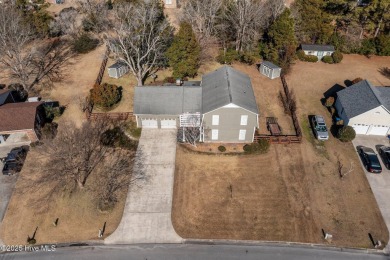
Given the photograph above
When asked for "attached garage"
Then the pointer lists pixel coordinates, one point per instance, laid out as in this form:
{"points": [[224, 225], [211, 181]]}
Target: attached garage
{"points": [[149, 123], [361, 129], [379, 130], [168, 123]]}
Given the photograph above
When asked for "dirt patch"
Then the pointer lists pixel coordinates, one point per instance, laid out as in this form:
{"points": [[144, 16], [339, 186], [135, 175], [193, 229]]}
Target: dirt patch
{"points": [[292, 192], [79, 218]]}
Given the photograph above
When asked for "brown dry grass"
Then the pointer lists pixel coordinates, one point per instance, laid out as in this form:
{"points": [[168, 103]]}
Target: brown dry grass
{"points": [[292, 192], [79, 218]]}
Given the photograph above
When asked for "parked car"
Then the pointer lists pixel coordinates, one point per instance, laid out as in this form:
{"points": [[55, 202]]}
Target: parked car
{"points": [[319, 127], [14, 161], [384, 152], [370, 159]]}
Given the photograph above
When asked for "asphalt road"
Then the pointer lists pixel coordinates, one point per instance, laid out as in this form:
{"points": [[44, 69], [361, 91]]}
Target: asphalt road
{"points": [[194, 252]]}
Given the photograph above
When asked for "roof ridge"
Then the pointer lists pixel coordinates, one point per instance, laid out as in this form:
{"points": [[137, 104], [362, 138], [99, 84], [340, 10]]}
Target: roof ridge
{"points": [[374, 91], [228, 84]]}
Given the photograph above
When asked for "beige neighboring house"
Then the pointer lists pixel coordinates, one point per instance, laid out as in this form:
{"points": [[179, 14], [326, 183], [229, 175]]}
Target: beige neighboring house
{"points": [[170, 3], [366, 108], [21, 121]]}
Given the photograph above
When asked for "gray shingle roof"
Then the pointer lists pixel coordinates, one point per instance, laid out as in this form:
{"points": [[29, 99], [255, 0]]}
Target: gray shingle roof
{"points": [[227, 85], [117, 65], [270, 65], [317, 47], [218, 88], [362, 97], [167, 100]]}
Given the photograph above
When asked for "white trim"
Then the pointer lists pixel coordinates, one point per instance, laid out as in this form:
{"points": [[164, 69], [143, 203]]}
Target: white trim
{"points": [[231, 105], [237, 107]]}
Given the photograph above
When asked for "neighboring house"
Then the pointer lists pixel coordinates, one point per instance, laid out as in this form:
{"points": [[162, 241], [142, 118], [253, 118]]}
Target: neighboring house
{"points": [[366, 108], [222, 105], [170, 3], [270, 70], [19, 122], [318, 50]]}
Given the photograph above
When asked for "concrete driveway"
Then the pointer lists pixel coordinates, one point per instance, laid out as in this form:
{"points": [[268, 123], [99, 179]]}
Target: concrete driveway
{"points": [[380, 183], [147, 214]]}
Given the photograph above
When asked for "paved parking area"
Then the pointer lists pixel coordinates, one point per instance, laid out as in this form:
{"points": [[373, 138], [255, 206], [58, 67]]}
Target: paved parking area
{"points": [[147, 214], [380, 183]]}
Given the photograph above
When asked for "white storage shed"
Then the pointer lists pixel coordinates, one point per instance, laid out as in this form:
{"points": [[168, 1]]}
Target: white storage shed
{"points": [[270, 70]]}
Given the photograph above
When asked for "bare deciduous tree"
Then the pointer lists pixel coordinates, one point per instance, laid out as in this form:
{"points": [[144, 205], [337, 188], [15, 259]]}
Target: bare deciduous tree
{"points": [[203, 16], [273, 9], [66, 22], [96, 13], [116, 176], [246, 18], [141, 37], [191, 130], [25, 59]]}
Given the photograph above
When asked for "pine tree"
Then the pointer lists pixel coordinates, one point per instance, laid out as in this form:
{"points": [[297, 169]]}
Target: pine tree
{"points": [[184, 53], [281, 41]]}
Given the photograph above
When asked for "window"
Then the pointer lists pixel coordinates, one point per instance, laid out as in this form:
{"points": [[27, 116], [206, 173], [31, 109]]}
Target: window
{"points": [[215, 120], [214, 134], [241, 136], [168, 2], [244, 120]]}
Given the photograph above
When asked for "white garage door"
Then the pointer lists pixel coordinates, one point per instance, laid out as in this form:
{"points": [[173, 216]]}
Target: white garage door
{"points": [[361, 129], [379, 130], [149, 123], [168, 123]]}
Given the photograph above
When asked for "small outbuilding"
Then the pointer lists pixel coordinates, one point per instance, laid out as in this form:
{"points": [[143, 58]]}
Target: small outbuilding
{"points": [[318, 50], [270, 70], [117, 70]]}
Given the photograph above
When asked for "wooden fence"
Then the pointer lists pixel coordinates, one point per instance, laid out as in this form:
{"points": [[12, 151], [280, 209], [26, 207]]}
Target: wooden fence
{"points": [[285, 139], [102, 67], [120, 116], [279, 139]]}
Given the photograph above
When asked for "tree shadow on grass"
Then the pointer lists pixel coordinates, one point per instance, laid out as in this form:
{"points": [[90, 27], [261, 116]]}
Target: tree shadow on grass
{"points": [[385, 71]]}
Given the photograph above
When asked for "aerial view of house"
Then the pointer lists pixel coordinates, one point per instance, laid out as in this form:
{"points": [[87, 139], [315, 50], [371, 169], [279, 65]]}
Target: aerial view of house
{"points": [[224, 103], [195, 129]]}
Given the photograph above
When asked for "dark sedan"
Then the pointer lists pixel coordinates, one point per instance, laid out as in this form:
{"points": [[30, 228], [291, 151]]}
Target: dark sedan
{"points": [[369, 159], [384, 152]]}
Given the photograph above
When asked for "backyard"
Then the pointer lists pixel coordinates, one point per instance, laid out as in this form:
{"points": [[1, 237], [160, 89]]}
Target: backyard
{"points": [[292, 192]]}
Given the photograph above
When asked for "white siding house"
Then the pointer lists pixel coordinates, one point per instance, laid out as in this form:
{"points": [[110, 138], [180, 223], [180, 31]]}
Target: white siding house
{"points": [[318, 50], [366, 108]]}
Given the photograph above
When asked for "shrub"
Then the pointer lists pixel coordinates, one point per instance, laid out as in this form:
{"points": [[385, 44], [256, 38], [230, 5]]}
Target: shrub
{"points": [[260, 147], [328, 59], [21, 93], [367, 47], [169, 80], [222, 148], [247, 58], [329, 101], [117, 138], [311, 58], [84, 43], [105, 95], [301, 55], [337, 56], [228, 57], [49, 130], [346, 133], [357, 80], [53, 112]]}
